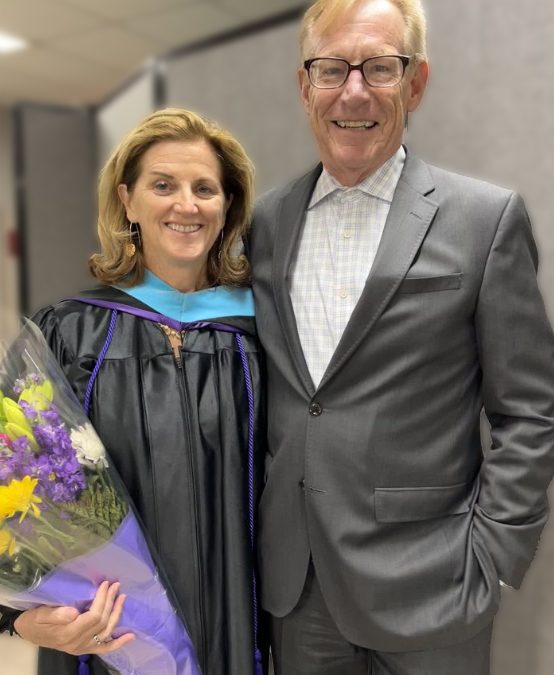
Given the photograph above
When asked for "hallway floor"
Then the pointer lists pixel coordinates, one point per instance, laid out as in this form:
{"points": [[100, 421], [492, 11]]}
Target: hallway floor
{"points": [[16, 656]]}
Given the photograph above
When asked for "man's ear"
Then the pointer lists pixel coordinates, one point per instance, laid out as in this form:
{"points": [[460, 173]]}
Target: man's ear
{"points": [[417, 84], [125, 198], [304, 86]]}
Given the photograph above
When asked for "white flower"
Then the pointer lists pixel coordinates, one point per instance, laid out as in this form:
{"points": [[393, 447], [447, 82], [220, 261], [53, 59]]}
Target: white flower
{"points": [[89, 450]]}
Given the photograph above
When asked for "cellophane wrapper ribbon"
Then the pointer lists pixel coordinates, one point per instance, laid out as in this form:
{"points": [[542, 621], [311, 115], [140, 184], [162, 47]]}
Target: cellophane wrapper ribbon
{"points": [[66, 521]]}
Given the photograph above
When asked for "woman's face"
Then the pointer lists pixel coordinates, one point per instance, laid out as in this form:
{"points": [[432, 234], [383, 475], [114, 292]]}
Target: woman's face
{"points": [[179, 203]]}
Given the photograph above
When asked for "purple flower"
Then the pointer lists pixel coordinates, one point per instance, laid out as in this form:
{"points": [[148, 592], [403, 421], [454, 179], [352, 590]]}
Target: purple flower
{"points": [[21, 444], [19, 386], [55, 465], [51, 416], [30, 412], [6, 471]]}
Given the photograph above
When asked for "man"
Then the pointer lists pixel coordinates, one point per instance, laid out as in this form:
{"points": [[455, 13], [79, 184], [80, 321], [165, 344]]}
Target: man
{"points": [[395, 301]]}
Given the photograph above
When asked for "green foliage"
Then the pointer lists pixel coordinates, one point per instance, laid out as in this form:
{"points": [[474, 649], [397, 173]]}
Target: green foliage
{"points": [[100, 509]]}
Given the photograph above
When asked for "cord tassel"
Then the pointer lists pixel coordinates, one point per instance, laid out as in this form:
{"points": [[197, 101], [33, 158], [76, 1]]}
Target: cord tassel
{"points": [[259, 664], [83, 665]]}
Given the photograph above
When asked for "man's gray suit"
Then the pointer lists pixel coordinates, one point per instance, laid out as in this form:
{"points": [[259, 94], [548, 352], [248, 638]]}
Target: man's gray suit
{"points": [[378, 474]]}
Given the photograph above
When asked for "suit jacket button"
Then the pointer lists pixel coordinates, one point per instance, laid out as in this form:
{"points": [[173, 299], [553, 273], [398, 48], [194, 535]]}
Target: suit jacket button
{"points": [[302, 484], [315, 409]]}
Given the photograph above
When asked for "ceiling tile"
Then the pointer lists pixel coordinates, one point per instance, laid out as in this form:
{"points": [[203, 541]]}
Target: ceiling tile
{"points": [[125, 9], [47, 76], [83, 50], [40, 21], [55, 66], [111, 45], [177, 27], [34, 89], [254, 9]]}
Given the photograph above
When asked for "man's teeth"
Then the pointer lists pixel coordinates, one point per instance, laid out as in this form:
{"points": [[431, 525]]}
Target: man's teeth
{"points": [[354, 125], [182, 228]]}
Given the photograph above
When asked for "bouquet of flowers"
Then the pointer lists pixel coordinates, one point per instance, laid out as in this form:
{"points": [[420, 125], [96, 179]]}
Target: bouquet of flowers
{"points": [[66, 523]]}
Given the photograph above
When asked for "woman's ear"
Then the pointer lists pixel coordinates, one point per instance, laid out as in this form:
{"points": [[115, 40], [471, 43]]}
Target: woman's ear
{"points": [[125, 198]]}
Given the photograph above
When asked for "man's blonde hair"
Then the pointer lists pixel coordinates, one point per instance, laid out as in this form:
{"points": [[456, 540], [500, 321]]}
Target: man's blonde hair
{"points": [[323, 16], [112, 265]]}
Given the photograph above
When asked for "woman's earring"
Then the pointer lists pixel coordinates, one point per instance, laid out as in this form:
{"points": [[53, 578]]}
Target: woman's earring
{"points": [[220, 245], [130, 248]]}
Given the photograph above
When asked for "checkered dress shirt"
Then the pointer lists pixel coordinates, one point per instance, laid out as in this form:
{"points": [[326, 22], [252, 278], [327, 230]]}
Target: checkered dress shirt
{"points": [[337, 248]]}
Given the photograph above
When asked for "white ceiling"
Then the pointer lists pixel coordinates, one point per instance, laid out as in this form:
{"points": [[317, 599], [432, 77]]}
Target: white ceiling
{"points": [[83, 50]]}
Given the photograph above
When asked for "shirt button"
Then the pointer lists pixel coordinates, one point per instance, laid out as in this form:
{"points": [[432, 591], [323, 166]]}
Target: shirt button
{"points": [[347, 234], [343, 294], [315, 409]]}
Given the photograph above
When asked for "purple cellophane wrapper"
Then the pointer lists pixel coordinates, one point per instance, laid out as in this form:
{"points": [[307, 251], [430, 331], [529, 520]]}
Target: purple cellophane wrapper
{"points": [[162, 645]]}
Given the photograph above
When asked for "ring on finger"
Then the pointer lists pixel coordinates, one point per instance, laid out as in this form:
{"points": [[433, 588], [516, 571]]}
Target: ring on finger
{"points": [[97, 640]]}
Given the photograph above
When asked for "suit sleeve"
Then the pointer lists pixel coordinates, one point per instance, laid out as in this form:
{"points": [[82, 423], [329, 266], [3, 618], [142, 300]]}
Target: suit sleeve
{"points": [[516, 350]]}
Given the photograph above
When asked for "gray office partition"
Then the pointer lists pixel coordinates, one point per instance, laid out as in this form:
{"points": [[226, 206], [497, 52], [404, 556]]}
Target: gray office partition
{"points": [[54, 176], [488, 109], [117, 116], [249, 85]]}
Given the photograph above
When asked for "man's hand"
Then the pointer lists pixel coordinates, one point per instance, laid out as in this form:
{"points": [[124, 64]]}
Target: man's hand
{"points": [[65, 629]]}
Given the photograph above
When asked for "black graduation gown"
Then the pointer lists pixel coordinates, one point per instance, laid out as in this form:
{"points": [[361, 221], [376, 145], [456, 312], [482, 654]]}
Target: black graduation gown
{"points": [[178, 435]]}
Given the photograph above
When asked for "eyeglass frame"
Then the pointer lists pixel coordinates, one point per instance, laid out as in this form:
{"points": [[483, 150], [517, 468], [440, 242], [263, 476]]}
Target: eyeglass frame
{"points": [[405, 60]]}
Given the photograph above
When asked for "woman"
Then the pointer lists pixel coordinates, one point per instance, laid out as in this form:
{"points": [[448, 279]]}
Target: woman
{"points": [[164, 358]]}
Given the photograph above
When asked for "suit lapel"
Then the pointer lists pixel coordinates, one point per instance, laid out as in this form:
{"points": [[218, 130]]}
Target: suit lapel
{"points": [[409, 218], [290, 220]]}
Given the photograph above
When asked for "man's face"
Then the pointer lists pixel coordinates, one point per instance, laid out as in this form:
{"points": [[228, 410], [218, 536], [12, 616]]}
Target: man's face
{"points": [[350, 153]]}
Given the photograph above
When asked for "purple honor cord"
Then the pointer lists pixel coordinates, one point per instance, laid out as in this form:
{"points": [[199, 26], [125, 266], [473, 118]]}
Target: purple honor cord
{"points": [[251, 506]]}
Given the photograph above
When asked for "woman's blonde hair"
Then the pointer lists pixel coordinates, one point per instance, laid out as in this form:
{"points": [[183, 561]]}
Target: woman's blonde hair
{"points": [[225, 266], [322, 16]]}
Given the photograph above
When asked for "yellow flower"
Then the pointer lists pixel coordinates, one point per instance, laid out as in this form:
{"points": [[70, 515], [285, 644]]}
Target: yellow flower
{"points": [[15, 414], [38, 395], [7, 542], [18, 497], [17, 424], [2, 416]]}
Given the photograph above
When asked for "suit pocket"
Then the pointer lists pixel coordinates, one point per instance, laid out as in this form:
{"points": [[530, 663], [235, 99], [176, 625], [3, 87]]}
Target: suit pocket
{"points": [[403, 505], [448, 282]]}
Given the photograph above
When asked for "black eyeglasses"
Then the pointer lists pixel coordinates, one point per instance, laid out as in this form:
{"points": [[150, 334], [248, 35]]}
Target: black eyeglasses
{"points": [[378, 71]]}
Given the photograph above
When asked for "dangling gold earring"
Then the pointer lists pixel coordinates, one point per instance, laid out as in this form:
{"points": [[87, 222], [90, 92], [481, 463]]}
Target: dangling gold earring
{"points": [[130, 248]]}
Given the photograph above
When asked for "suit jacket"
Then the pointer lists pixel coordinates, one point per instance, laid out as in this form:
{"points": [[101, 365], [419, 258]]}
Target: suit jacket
{"points": [[378, 473]]}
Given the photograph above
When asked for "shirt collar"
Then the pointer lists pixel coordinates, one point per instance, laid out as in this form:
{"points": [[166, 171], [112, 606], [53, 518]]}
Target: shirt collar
{"points": [[381, 183]]}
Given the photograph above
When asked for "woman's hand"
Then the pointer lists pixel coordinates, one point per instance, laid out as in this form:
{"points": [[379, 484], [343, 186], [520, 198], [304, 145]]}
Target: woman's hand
{"points": [[65, 629]]}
